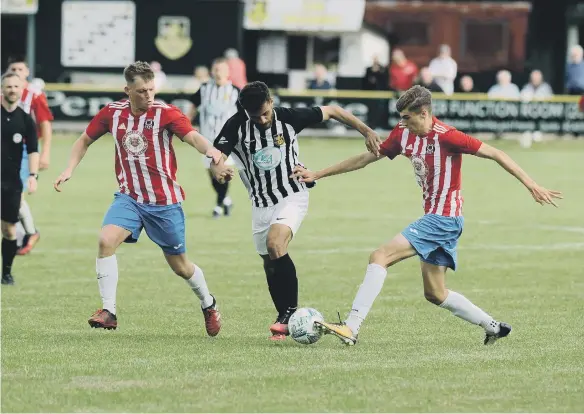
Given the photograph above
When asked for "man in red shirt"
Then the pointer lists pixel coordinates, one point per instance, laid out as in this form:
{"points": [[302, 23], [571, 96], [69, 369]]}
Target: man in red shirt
{"points": [[435, 151], [33, 102], [149, 195], [237, 68], [402, 71]]}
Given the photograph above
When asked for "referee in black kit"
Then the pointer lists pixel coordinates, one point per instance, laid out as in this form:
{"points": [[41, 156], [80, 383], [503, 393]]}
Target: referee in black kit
{"points": [[18, 128]]}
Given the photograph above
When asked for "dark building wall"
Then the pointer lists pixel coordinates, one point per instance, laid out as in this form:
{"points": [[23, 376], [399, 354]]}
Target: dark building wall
{"points": [[215, 26]]}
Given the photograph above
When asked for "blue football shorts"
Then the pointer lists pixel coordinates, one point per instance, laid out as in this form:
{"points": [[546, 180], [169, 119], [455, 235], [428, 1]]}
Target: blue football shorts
{"points": [[164, 225], [435, 238]]}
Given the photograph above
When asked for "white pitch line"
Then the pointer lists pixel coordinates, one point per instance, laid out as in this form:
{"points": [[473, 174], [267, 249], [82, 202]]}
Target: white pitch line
{"points": [[568, 229]]}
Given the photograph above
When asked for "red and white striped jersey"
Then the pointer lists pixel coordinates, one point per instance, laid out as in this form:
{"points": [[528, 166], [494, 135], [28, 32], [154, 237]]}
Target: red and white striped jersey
{"points": [[34, 102], [437, 162], [145, 160]]}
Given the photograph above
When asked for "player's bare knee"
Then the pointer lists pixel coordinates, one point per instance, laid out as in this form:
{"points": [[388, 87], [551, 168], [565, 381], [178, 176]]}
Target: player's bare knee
{"points": [[182, 271], [378, 257], [435, 296], [181, 266], [276, 248], [383, 257], [8, 231], [107, 245]]}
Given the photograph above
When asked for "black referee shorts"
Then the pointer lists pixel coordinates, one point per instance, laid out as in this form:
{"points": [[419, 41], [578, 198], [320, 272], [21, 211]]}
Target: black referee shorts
{"points": [[10, 205]]}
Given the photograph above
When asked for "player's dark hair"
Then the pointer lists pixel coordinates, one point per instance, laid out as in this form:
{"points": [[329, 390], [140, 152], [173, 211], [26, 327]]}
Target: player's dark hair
{"points": [[17, 59], [415, 99], [254, 95], [138, 69]]}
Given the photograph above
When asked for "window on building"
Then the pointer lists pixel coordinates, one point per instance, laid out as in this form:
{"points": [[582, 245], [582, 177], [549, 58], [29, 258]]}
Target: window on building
{"points": [[483, 39]]}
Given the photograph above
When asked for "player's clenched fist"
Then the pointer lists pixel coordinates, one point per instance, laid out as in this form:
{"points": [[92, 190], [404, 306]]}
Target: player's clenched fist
{"points": [[65, 176]]}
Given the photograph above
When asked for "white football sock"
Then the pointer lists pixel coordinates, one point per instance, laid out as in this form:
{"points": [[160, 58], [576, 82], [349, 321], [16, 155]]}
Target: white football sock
{"points": [[199, 285], [25, 217], [366, 295], [107, 279], [20, 233], [465, 309]]}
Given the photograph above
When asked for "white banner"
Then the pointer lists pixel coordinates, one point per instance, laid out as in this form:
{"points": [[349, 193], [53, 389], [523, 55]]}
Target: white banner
{"points": [[304, 15], [20, 6], [98, 33]]}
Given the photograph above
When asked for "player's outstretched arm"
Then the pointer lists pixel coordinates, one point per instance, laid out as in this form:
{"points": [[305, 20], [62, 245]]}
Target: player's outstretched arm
{"points": [[201, 144], [540, 194], [372, 139], [354, 163], [77, 153]]}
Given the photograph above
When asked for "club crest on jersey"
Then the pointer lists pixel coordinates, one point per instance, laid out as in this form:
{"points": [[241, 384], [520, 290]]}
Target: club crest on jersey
{"points": [[17, 138], [430, 149], [149, 124], [267, 158], [279, 140], [420, 169], [135, 143]]}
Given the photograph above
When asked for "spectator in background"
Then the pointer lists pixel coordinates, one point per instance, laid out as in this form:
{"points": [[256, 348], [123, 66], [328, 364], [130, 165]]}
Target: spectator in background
{"points": [[376, 80], [444, 69], [159, 75], [402, 71], [320, 80], [575, 71], [375, 76], [466, 85], [536, 89], [504, 89], [237, 68], [427, 80], [200, 76]]}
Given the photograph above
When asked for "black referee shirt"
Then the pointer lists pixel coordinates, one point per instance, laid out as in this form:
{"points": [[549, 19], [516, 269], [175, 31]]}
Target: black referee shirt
{"points": [[18, 129]]}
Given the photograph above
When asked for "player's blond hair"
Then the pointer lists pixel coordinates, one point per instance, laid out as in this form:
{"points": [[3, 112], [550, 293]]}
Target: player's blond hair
{"points": [[138, 69], [415, 99]]}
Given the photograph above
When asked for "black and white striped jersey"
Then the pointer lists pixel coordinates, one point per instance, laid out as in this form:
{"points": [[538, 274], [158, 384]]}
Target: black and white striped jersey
{"points": [[215, 105], [266, 158]]}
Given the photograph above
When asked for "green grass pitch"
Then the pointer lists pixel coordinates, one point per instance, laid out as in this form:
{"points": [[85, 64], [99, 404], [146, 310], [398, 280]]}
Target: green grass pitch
{"points": [[519, 261]]}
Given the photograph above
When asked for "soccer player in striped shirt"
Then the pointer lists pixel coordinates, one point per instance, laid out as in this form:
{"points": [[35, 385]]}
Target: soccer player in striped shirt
{"points": [[263, 140], [215, 101], [33, 102], [435, 151], [149, 196]]}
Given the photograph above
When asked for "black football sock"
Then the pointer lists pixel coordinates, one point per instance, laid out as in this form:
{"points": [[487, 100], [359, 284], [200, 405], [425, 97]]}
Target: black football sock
{"points": [[9, 249], [221, 192], [286, 274], [215, 184], [273, 284]]}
